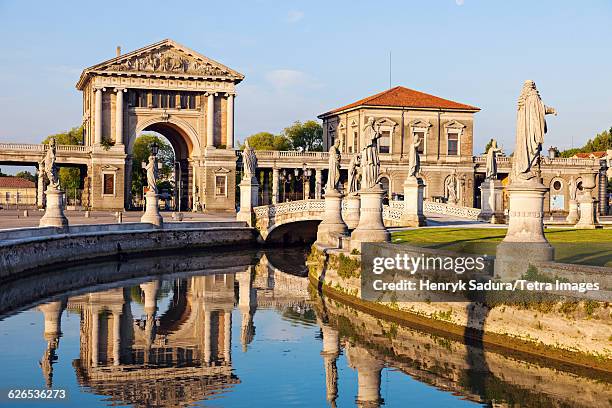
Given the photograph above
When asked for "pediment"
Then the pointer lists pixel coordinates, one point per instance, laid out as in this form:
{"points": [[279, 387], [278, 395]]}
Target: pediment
{"points": [[453, 124], [108, 167], [167, 58], [222, 170], [419, 123], [386, 122]]}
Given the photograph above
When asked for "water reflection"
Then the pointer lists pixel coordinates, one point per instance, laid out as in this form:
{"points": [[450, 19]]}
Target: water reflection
{"points": [[166, 340]]}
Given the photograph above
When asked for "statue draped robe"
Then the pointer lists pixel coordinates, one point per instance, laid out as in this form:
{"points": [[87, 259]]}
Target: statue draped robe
{"points": [[333, 177], [414, 161], [353, 174], [370, 163]]}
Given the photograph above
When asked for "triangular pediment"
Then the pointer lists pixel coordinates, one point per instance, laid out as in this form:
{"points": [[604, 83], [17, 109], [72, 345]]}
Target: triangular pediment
{"points": [[419, 123], [166, 58]]}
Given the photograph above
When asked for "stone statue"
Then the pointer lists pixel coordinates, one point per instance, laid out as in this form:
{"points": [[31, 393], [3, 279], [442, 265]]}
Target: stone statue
{"points": [[50, 166], [151, 168], [573, 189], [530, 131], [370, 163], [414, 161], [333, 175], [249, 161], [491, 168], [353, 174], [450, 188]]}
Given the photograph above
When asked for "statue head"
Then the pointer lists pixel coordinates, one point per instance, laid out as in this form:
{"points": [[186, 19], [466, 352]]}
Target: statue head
{"points": [[371, 121], [246, 145], [529, 84], [151, 159], [337, 142]]}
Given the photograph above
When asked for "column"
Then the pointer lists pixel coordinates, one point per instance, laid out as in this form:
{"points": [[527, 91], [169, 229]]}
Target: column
{"points": [[119, 116], [95, 325], [318, 177], [207, 336], [116, 337], [98, 117], [227, 336], [194, 202], [275, 185], [40, 186], [230, 121], [210, 120]]}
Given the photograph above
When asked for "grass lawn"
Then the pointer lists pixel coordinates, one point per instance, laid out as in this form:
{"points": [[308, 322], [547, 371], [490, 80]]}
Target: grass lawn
{"points": [[588, 247]]}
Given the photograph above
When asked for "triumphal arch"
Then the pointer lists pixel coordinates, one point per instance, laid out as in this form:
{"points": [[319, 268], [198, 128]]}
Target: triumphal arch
{"points": [[173, 90]]}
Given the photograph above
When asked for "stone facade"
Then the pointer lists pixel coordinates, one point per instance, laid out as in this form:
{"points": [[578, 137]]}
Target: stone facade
{"points": [[172, 90]]}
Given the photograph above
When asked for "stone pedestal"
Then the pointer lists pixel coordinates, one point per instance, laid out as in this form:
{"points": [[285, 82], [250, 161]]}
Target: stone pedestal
{"points": [[54, 213], [525, 241], [588, 211], [249, 190], [371, 227], [151, 214], [572, 217], [413, 202], [492, 202], [351, 215], [332, 224]]}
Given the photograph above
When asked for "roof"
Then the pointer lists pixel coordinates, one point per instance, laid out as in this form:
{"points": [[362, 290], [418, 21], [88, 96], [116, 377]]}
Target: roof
{"points": [[16, 182], [113, 66], [596, 155], [402, 97]]}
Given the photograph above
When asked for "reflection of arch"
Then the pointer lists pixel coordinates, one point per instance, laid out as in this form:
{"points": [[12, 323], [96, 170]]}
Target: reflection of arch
{"points": [[181, 134]]}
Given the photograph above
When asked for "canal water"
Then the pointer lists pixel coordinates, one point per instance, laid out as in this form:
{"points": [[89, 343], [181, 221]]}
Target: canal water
{"points": [[244, 329]]}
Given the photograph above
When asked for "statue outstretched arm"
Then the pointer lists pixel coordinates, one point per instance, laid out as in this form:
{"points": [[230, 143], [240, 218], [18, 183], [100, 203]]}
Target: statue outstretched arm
{"points": [[548, 110]]}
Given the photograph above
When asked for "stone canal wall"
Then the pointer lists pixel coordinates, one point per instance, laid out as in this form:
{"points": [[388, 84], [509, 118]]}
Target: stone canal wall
{"points": [[569, 330], [23, 250]]}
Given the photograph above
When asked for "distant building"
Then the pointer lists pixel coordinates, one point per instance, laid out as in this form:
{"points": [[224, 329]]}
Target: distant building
{"points": [[17, 190]]}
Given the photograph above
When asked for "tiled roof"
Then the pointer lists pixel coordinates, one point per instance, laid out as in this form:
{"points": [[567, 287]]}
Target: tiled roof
{"points": [[405, 98], [597, 155], [16, 182]]}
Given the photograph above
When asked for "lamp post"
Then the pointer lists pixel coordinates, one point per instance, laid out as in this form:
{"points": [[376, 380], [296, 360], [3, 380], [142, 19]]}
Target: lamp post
{"points": [[305, 177], [285, 178]]}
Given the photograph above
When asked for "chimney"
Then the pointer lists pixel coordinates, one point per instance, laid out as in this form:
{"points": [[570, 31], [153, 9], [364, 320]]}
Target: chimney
{"points": [[118, 50]]}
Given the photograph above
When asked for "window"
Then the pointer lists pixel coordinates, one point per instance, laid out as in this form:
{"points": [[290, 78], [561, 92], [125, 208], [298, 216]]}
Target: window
{"points": [[421, 135], [7, 197], [108, 187], [17, 197], [163, 99], [384, 143], [557, 185], [221, 185], [453, 144], [354, 144]]}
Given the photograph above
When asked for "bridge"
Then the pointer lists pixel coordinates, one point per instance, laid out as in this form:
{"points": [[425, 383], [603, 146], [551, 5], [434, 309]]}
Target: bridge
{"points": [[295, 221]]}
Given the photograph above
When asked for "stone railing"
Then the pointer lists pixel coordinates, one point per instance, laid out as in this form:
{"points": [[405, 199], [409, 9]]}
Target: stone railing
{"points": [[21, 146], [559, 161], [448, 209], [290, 207], [393, 213], [277, 154], [73, 148]]}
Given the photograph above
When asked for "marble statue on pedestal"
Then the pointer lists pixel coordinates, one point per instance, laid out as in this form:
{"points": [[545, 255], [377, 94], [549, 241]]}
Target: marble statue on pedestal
{"points": [[333, 175], [353, 174], [450, 188], [50, 167], [491, 165], [530, 131], [151, 168], [249, 161], [370, 163], [414, 161], [573, 188]]}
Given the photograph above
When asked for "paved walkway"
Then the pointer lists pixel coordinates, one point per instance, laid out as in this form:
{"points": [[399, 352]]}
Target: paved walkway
{"points": [[15, 219]]}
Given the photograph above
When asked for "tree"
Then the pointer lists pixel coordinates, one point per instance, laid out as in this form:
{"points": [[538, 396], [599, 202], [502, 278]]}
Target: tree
{"points": [[69, 177], [488, 146], [601, 142], [26, 175], [268, 141], [141, 153], [306, 136]]}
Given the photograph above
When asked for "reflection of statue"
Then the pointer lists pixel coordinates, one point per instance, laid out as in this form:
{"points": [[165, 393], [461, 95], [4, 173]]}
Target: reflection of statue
{"points": [[151, 169], [491, 168], [333, 174], [249, 161], [50, 166], [414, 161], [530, 131], [573, 187], [370, 164], [450, 188], [353, 173]]}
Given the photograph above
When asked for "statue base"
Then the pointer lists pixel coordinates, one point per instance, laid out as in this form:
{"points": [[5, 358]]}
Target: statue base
{"points": [[332, 225], [525, 241], [588, 212], [54, 213], [413, 202], [151, 215], [572, 217], [249, 194], [371, 227], [492, 202], [351, 215]]}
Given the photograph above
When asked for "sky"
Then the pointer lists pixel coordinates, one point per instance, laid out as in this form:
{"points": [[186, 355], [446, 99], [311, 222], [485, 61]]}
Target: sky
{"points": [[302, 58]]}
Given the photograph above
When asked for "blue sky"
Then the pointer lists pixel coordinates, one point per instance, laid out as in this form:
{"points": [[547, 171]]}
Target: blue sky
{"points": [[302, 58]]}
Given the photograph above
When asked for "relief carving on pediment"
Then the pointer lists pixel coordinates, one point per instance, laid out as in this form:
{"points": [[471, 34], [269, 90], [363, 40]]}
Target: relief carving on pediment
{"points": [[167, 61]]}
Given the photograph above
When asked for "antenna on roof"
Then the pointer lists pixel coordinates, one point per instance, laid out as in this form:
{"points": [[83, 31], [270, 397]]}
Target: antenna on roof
{"points": [[118, 51], [389, 69]]}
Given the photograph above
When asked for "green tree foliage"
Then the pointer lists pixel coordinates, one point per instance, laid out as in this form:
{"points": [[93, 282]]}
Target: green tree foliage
{"points": [[486, 149], [306, 136], [26, 175], [601, 142], [141, 153], [268, 141], [69, 176]]}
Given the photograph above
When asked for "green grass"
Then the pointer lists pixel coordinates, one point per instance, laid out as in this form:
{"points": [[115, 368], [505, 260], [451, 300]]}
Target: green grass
{"points": [[588, 247]]}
